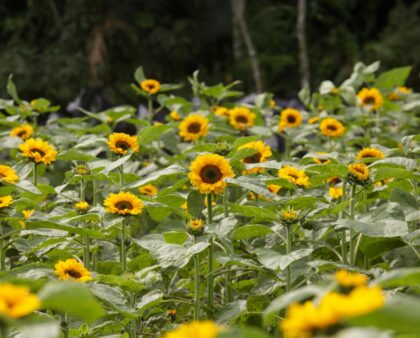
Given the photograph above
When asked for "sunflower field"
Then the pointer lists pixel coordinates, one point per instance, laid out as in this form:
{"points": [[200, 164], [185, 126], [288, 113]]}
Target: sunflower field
{"points": [[228, 219]]}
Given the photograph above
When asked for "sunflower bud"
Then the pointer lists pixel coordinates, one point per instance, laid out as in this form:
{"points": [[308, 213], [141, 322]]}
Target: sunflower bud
{"points": [[223, 148], [81, 170], [81, 207], [195, 227], [172, 314], [288, 217]]}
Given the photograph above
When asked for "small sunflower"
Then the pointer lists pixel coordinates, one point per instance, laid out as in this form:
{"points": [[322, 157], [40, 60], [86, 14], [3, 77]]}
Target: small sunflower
{"points": [[274, 188], [370, 98], [241, 118], [193, 127], [263, 152], [38, 150], [195, 227], [313, 120], [334, 180], [207, 173], [369, 153], [331, 127], [335, 193], [81, 170], [358, 172], [174, 115], [121, 143], [149, 190], [17, 301], [24, 131], [6, 201], [8, 174], [294, 175], [222, 111], [289, 118], [72, 269], [81, 207], [150, 86], [349, 279], [123, 203], [289, 216], [27, 213], [322, 158]]}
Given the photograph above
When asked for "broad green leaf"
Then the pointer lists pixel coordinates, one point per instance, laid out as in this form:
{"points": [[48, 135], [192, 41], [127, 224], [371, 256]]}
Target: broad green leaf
{"points": [[195, 204], [74, 155], [385, 173], [383, 228], [173, 169], [230, 312], [201, 148], [251, 211], [152, 133], [139, 75], [393, 78], [28, 186], [11, 89], [397, 161], [274, 261], [255, 186], [111, 295], [250, 231], [400, 277]]}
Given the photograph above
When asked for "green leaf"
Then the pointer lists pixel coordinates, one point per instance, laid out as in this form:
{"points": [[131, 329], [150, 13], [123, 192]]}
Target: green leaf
{"points": [[272, 260], [393, 78], [385, 173], [253, 185], [195, 204], [74, 155], [28, 186], [111, 295], [173, 169], [139, 75], [116, 164], [200, 148], [250, 231], [400, 277], [383, 228], [398, 161], [152, 133], [231, 312], [72, 298], [11, 89], [251, 211]]}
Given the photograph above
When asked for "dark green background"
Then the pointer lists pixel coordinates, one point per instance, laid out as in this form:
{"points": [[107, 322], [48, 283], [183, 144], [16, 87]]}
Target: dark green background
{"points": [[48, 50]]}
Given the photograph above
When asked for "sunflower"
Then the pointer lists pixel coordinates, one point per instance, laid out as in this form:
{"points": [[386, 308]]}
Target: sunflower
{"points": [[81, 207], [222, 111], [322, 158], [263, 152], [369, 153], [123, 203], [335, 193], [313, 120], [331, 127], [174, 115], [289, 118], [294, 175], [207, 173], [349, 279], [193, 127], [358, 172], [274, 188], [195, 227], [6, 201], [17, 301], [72, 269], [149, 190], [38, 150], [150, 86], [120, 143], [27, 213], [195, 329], [241, 118], [272, 104], [23, 131], [396, 94], [370, 98], [334, 180], [8, 174]]}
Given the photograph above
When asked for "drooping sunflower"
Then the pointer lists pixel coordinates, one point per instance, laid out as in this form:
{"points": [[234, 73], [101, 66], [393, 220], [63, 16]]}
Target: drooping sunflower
{"points": [[193, 127], [370, 98], [358, 172], [174, 115], [294, 175], [150, 86], [241, 118], [72, 269], [149, 190], [121, 143], [331, 127], [369, 153], [207, 173], [8, 174], [222, 111], [6, 201], [17, 301], [123, 203], [263, 152], [24, 131], [195, 329], [38, 151], [289, 118]]}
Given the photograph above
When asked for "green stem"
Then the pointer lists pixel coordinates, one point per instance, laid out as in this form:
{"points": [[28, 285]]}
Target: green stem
{"points": [[288, 251], [121, 171], [3, 330], [82, 190], [196, 285], [150, 109], [134, 320], [351, 239], [344, 232], [286, 147], [65, 325], [35, 174], [210, 280], [123, 255], [228, 274], [86, 252], [2, 250], [94, 192]]}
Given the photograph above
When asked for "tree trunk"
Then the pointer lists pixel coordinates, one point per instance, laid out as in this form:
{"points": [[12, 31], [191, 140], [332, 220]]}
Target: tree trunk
{"points": [[238, 8], [303, 50]]}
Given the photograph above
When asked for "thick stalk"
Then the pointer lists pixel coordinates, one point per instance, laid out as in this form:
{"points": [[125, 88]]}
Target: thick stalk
{"points": [[150, 109], [123, 255], [134, 320], [288, 251], [351, 240], [82, 189], [86, 251], [3, 330], [35, 174], [210, 280], [196, 285], [344, 232], [228, 274], [65, 325]]}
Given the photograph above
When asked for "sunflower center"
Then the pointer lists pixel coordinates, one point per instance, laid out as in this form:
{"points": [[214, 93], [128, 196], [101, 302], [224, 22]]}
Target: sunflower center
{"points": [[294, 176], [359, 170], [291, 119], [40, 152], [123, 145], [256, 158], [241, 119], [369, 100], [123, 205], [194, 127], [210, 174], [2, 175], [21, 133], [151, 86], [74, 274], [332, 127]]}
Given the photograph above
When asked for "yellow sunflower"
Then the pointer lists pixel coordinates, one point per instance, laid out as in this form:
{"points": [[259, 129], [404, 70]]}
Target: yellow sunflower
{"points": [[195, 227], [207, 173], [38, 150], [334, 180], [369, 153], [17, 301], [8, 174], [370, 98], [349, 279], [241, 118], [313, 120], [289, 118], [399, 93], [322, 159], [174, 115], [195, 329], [263, 152], [6, 201], [335, 193], [149, 190], [294, 175], [289, 216], [82, 207], [123, 203], [331, 127], [121, 143], [222, 111], [27, 213], [72, 269], [359, 172], [193, 127], [150, 86], [274, 188], [23, 131]]}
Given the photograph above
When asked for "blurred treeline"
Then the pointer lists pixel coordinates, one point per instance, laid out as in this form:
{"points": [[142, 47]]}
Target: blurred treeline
{"points": [[55, 48]]}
